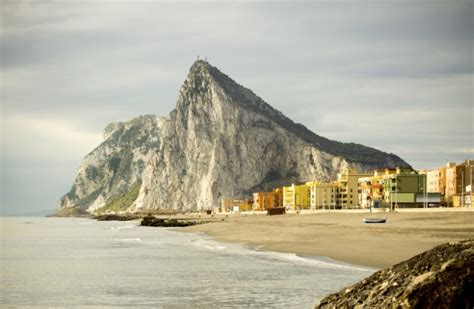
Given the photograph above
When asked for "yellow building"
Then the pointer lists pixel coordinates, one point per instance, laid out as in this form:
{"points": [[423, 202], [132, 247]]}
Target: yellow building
{"points": [[244, 205], [296, 197], [323, 195], [348, 182]]}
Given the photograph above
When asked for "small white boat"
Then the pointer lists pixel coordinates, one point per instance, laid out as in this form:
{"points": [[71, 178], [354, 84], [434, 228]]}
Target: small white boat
{"points": [[375, 220]]}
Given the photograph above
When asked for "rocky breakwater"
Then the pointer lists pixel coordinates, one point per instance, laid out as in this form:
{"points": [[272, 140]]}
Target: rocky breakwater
{"points": [[174, 222], [115, 217], [439, 278]]}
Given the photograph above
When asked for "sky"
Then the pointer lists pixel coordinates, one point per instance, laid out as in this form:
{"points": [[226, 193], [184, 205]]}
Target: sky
{"points": [[394, 75]]}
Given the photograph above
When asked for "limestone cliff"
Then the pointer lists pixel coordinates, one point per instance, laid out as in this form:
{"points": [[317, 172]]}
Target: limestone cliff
{"points": [[114, 166], [221, 140]]}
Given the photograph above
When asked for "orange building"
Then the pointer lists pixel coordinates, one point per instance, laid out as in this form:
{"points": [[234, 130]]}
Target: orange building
{"points": [[265, 200], [235, 205], [278, 201]]}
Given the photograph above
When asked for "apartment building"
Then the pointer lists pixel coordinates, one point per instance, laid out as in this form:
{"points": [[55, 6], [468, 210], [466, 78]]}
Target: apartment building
{"points": [[348, 187], [323, 195], [296, 197], [402, 188]]}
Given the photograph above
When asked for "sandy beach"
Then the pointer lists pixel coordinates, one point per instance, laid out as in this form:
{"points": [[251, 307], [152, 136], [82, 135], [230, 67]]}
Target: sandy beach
{"points": [[342, 236]]}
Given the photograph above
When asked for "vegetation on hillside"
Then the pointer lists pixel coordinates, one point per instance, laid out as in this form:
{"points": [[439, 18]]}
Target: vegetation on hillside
{"points": [[121, 202]]}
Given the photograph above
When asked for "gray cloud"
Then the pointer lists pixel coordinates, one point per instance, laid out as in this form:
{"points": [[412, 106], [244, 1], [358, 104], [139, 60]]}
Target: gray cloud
{"points": [[392, 75]]}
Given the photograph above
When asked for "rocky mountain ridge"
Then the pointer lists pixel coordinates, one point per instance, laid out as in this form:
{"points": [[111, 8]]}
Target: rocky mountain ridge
{"points": [[221, 140]]}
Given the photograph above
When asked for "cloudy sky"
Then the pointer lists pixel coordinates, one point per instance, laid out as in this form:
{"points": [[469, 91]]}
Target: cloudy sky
{"points": [[394, 75]]}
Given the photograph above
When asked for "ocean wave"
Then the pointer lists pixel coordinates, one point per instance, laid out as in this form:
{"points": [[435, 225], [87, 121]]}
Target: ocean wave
{"points": [[315, 261], [119, 228], [208, 244], [205, 242]]}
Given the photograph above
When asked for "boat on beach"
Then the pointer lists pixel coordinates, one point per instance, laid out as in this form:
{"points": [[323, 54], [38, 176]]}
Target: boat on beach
{"points": [[375, 220]]}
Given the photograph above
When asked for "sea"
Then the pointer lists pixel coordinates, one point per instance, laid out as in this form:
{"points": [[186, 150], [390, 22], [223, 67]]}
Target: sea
{"points": [[79, 262]]}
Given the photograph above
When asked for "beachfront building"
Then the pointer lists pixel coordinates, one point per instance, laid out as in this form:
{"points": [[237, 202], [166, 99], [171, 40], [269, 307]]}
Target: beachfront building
{"points": [[464, 175], [296, 197], [371, 190], [442, 184], [436, 182], [259, 201], [452, 183], [278, 197], [265, 200], [226, 204], [235, 205], [406, 188], [323, 195], [450, 188], [364, 192], [433, 181], [348, 187]]}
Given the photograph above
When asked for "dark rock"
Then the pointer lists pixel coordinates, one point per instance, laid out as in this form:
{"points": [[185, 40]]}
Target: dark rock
{"points": [[442, 277], [152, 221], [276, 211], [113, 217]]}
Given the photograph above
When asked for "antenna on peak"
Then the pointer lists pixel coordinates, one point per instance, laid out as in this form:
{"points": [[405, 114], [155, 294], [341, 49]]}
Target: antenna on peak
{"points": [[198, 57], [205, 58]]}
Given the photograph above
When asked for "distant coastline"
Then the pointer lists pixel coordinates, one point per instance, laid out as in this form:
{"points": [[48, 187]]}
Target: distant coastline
{"points": [[41, 213]]}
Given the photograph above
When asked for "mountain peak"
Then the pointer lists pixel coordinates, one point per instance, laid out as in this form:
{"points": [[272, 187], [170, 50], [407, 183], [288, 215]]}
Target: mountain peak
{"points": [[221, 140], [202, 75], [201, 69], [199, 66], [200, 63]]}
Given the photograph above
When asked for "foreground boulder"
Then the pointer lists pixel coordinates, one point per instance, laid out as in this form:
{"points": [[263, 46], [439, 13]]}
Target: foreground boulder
{"points": [[442, 277]]}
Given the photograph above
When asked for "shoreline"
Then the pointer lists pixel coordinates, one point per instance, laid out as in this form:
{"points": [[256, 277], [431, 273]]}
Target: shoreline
{"points": [[341, 236]]}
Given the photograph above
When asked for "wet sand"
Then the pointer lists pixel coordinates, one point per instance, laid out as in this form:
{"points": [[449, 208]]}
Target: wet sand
{"points": [[343, 236]]}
